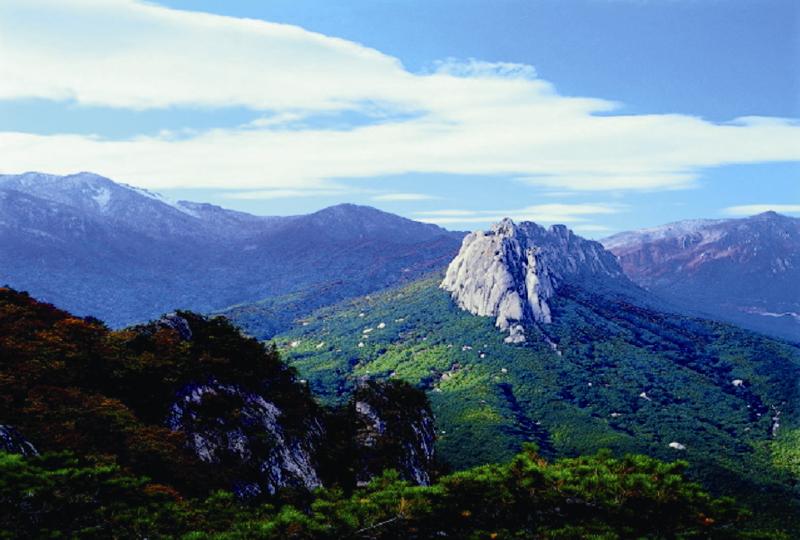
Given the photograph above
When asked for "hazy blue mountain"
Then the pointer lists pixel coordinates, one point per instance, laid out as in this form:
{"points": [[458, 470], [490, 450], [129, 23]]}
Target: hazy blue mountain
{"points": [[125, 255], [745, 271]]}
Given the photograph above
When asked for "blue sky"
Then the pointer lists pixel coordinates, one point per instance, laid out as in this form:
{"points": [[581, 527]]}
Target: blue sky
{"points": [[604, 114]]}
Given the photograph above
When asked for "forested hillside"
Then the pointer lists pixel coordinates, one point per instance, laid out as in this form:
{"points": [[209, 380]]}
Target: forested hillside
{"points": [[605, 373], [147, 433]]}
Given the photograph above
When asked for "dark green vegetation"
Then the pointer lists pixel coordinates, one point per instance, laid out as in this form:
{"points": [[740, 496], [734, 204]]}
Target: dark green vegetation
{"points": [[276, 314], [71, 384], [94, 402], [620, 377], [598, 497]]}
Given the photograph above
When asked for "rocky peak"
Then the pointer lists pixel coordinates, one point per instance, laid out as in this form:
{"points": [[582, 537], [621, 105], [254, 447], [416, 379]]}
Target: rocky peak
{"points": [[13, 442], [511, 271], [394, 428], [769, 215], [228, 425], [176, 322]]}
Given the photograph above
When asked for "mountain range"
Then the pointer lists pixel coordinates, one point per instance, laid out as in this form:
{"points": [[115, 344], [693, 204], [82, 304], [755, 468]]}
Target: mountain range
{"points": [[126, 255], [746, 271], [536, 335], [517, 335]]}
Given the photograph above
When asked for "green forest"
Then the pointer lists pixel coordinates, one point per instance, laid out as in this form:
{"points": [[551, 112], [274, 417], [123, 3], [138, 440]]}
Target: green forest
{"points": [[93, 402], [606, 374]]}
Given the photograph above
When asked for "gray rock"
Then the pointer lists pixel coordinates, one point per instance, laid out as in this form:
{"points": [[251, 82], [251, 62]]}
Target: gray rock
{"points": [[511, 271], [228, 425], [177, 323], [394, 430], [13, 442]]}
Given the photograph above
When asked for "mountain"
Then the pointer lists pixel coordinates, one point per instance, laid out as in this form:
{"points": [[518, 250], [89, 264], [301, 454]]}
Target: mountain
{"points": [[187, 394], [183, 428], [511, 271], [603, 369], [127, 255], [745, 271]]}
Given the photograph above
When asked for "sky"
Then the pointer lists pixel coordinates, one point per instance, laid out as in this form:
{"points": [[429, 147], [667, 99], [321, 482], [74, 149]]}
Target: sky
{"points": [[605, 115]]}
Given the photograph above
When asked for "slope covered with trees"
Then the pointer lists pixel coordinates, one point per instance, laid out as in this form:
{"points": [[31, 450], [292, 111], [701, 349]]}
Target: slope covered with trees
{"points": [[94, 402], [596, 496], [606, 373]]}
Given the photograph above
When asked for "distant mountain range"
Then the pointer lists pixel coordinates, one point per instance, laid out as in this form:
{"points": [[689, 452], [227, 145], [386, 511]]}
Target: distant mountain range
{"points": [[745, 271], [127, 255], [517, 334], [124, 254]]}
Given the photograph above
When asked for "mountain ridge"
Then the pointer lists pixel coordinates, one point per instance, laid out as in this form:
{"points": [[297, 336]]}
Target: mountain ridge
{"points": [[744, 270], [610, 369], [127, 255], [512, 270]]}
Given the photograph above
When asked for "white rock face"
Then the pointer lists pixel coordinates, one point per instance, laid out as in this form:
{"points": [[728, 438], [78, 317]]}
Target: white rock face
{"points": [[13, 442], [289, 459], [377, 427], [371, 418], [511, 271]]}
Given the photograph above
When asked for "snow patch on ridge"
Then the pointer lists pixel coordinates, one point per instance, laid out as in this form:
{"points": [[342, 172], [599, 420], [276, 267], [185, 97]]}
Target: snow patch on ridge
{"points": [[102, 197]]}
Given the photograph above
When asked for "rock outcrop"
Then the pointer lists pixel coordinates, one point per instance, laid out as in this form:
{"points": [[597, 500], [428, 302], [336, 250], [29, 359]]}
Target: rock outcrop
{"points": [[229, 426], [177, 323], [13, 442], [394, 430], [265, 448], [511, 271]]}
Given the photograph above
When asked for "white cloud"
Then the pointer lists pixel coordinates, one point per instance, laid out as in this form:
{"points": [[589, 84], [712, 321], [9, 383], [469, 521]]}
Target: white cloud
{"points": [[540, 213], [479, 68], [470, 118], [644, 180], [751, 209], [592, 229], [125, 53], [268, 194], [392, 197]]}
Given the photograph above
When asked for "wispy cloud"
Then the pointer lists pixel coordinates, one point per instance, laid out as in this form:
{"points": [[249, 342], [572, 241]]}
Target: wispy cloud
{"points": [[469, 118], [642, 180], [404, 197], [541, 213], [592, 229], [751, 209], [268, 194], [476, 68]]}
